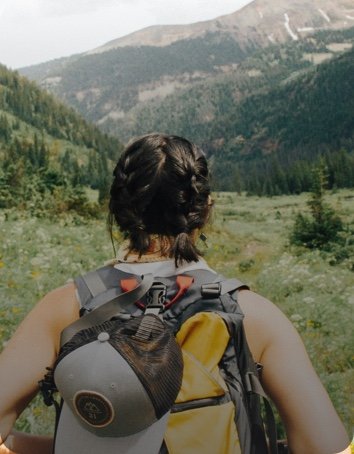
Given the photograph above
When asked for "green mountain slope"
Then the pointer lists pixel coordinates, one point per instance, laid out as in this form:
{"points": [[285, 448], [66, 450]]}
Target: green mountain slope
{"points": [[257, 108], [261, 134], [46, 149], [103, 85], [107, 84]]}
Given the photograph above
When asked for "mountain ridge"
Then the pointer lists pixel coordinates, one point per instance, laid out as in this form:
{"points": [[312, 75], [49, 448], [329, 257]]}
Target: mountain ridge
{"points": [[130, 90], [105, 84], [241, 22]]}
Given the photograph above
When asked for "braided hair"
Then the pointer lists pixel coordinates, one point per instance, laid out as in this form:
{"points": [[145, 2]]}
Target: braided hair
{"points": [[161, 187]]}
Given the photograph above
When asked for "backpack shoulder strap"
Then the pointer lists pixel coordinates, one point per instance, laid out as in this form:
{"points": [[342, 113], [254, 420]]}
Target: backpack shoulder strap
{"points": [[222, 287], [112, 303], [250, 378], [94, 282], [99, 286]]}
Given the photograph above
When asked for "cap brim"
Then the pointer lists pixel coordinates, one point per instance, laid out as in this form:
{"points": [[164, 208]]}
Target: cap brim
{"points": [[71, 437]]}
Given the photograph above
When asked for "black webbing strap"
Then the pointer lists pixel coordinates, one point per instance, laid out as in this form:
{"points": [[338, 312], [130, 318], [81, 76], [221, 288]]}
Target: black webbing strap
{"points": [[107, 310], [271, 427], [254, 385]]}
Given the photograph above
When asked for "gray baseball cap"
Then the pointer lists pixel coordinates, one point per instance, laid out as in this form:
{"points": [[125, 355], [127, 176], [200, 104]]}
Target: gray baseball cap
{"points": [[118, 381]]}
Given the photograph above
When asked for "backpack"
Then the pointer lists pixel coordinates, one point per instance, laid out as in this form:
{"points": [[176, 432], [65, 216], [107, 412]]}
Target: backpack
{"points": [[218, 407]]}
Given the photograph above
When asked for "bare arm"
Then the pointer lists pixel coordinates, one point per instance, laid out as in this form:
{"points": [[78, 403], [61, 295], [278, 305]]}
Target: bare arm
{"points": [[18, 442], [311, 422], [23, 363]]}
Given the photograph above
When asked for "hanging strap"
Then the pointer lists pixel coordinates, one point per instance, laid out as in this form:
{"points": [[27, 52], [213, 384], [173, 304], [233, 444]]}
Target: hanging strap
{"points": [[254, 385], [108, 310]]}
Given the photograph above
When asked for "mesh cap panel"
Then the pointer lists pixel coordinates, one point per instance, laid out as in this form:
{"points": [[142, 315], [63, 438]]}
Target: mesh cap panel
{"points": [[150, 349]]}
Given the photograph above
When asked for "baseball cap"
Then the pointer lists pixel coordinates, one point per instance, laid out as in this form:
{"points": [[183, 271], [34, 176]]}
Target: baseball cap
{"points": [[118, 381]]}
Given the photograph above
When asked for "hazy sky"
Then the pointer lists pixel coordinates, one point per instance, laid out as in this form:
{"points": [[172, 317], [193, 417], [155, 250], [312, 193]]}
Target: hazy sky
{"points": [[34, 31]]}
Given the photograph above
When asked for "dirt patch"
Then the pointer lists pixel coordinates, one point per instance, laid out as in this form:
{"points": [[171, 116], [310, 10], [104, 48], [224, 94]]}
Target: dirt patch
{"points": [[339, 47]]}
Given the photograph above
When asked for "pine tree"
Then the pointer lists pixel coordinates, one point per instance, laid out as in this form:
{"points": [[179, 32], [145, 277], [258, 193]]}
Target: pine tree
{"points": [[5, 129], [324, 225]]}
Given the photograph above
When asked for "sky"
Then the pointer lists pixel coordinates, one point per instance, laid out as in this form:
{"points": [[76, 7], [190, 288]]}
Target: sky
{"points": [[35, 31]]}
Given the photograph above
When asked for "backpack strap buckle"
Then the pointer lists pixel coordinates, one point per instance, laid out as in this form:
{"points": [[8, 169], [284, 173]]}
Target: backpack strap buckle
{"points": [[156, 298], [212, 290], [216, 289]]}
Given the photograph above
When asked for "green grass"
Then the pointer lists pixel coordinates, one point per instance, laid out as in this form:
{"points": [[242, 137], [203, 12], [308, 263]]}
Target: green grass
{"points": [[247, 238]]}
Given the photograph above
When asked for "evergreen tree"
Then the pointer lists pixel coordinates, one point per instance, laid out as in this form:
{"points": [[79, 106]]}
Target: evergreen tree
{"points": [[103, 180], [324, 225], [5, 129]]}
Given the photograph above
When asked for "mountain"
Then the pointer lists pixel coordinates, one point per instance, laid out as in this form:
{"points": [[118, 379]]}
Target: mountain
{"points": [[266, 139], [106, 83], [261, 21], [47, 151], [266, 91], [271, 140]]}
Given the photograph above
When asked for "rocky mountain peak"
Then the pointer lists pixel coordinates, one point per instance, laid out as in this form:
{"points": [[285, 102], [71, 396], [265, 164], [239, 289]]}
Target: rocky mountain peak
{"points": [[261, 21]]}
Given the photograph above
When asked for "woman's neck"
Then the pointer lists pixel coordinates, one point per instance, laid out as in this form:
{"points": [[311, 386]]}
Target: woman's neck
{"points": [[159, 250]]}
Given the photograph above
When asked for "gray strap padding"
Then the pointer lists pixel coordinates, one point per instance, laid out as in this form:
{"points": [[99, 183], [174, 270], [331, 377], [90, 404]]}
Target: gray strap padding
{"points": [[103, 298], [108, 310], [231, 285], [94, 283]]}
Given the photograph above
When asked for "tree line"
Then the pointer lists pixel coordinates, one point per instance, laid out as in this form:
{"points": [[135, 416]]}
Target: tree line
{"points": [[270, 176], [48, 153], [35, 107]]}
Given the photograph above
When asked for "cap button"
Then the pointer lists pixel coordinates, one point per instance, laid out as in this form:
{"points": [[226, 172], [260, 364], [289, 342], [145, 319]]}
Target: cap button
{"points": [[103, 337]]}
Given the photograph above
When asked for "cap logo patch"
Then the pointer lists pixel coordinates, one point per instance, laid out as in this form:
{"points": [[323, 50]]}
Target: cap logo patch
{"points": [[93, 408]]}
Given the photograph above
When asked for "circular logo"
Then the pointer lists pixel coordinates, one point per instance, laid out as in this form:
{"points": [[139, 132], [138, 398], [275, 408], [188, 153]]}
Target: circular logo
{"points": [[93, 408]]}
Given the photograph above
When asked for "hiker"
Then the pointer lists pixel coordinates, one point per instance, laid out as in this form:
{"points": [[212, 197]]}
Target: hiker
{"points": [[160, 199]]}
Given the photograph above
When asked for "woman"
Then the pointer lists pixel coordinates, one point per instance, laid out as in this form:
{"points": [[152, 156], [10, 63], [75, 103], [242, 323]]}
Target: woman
{"points": [[160, 198]]}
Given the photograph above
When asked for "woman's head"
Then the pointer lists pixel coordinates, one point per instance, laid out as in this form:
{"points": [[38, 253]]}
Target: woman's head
{"points": [[161, 187]]}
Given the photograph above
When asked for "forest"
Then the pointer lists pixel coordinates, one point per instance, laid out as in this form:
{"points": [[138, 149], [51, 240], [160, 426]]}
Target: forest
{"points": [[49, 154], [266, 142]]}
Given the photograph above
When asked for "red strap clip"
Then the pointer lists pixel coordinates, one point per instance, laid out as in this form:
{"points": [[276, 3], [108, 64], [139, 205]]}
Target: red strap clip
{"points": [[130, 284], [183, 284]]}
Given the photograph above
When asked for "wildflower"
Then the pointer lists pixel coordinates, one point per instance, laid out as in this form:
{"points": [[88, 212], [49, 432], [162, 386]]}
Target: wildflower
{"points": [[313, 324], [308, 300], [36, 261], [37, 411]]}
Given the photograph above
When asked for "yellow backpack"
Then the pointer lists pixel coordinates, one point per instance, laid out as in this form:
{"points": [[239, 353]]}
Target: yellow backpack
{"points": [[203, 418], [217, 410]]}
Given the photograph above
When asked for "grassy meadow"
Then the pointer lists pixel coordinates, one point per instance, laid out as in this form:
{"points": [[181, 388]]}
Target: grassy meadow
{"points": [[247, 238]]}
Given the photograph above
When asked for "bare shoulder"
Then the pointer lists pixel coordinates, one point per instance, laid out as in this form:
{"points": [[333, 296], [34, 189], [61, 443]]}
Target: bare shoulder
{"points": [[62, 299], [56, 310], [264, 322], [33, 347], [288, 377]]}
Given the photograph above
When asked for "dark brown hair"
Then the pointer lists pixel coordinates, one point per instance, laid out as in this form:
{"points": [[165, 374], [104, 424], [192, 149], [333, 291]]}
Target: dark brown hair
{"points": [[161, 186]]}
